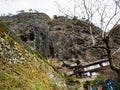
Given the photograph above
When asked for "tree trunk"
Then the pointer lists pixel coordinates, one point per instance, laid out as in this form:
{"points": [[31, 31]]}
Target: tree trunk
{"points": [[108, 50]]}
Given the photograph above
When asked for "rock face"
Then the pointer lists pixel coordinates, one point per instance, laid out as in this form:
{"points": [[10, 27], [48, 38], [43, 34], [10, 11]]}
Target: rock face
{"points": [[72, 41], [22, 70], [63, 38], [115, 34], [32, 28]]}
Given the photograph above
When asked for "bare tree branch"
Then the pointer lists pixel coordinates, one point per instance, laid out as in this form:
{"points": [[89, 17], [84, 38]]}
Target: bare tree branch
{"points": [[60, 9], [86, 10], [115, 13], [116, 51]]}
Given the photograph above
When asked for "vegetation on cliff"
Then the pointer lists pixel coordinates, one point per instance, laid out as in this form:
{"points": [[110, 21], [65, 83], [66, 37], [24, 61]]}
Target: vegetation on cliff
{"points": [[22, 70]]}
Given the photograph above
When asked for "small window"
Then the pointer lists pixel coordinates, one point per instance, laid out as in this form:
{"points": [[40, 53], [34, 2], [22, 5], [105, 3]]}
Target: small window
{"points": [[105, 63]]}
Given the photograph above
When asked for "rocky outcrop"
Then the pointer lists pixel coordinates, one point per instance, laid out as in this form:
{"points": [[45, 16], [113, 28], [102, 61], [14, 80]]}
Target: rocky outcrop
{"points": [[31, 28], [63, 38], [72, 41], [115, 34]]}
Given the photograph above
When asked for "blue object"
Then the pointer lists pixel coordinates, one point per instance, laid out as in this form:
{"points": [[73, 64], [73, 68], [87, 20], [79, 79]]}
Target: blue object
{"points": [[109, 85], [95, 88]]}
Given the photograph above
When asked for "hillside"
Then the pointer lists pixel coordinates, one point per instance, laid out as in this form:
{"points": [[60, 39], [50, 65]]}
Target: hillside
{"points": [[20, 67]]}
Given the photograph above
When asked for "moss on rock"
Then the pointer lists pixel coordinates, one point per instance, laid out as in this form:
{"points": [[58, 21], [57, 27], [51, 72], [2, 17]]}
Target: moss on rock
{"points": [[21, 70]]}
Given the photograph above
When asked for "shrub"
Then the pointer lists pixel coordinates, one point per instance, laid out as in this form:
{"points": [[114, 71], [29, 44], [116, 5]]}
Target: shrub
{"points": [[99, 81]]}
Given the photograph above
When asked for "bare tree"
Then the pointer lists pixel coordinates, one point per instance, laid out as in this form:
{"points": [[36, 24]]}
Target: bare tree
{"points": [[106, 15], [102, 9], [65, 12], [90, 14]]}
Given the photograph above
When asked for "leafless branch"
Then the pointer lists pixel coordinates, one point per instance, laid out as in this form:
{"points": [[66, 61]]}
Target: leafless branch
{"points": [[86, 9], [82, 11], [116, 51], [115, 13], [62, 11]]}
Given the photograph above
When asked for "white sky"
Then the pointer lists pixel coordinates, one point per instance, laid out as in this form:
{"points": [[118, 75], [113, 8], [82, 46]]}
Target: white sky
{"points": [[47, 6], [51, 8]]}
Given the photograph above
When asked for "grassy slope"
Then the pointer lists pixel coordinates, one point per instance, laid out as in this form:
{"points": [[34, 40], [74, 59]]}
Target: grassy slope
{"points": [[32, 74]]}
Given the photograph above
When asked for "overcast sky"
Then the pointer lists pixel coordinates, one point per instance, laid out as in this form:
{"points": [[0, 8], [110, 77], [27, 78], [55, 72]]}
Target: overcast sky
{"points": [[46, 6], [51, 8]]}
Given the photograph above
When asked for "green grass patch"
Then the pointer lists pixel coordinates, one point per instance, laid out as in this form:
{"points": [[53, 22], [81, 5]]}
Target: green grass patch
{"points": [[37, 86]]}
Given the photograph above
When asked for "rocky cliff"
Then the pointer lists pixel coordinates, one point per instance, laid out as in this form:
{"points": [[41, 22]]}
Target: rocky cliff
{"points": [[31, 28], [65, 39], [72, 40], [20, 67]]}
